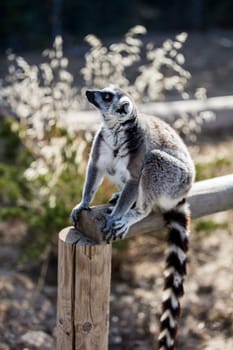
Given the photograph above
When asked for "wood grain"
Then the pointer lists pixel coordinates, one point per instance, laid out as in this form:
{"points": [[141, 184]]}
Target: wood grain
{"points": [[84, 273]]}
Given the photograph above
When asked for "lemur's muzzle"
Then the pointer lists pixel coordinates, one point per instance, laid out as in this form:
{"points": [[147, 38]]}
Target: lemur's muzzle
{"points": [[91, 96]]}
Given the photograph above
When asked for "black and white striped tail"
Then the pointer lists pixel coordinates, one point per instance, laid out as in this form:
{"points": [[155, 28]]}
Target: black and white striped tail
{"points": [[177, 221]]}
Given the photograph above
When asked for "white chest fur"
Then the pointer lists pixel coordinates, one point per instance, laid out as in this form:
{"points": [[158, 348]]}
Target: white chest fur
{"points": [[115, 166]]}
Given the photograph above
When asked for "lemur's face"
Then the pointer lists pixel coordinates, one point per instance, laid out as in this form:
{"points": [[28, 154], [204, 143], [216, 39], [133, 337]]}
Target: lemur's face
{"points": [[114, 104]]}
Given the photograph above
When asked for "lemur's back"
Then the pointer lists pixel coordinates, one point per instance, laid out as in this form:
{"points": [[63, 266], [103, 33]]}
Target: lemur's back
{"points": [[161, 136]]}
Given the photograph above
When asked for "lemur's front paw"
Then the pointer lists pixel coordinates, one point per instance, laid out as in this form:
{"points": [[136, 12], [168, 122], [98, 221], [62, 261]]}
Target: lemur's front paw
{"points": [[76, 211], [115, 228]]}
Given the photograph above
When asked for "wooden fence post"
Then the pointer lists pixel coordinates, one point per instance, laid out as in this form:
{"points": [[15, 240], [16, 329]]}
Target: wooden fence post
{"points": [[84, 272], [84, 266]]}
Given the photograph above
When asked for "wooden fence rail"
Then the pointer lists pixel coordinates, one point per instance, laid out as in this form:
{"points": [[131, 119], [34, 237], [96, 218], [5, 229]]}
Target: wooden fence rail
{"points": [[84, 266]]}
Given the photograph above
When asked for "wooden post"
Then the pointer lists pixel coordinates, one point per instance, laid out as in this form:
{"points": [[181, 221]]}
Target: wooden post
{"points": [[84, 266], [84, 272]]}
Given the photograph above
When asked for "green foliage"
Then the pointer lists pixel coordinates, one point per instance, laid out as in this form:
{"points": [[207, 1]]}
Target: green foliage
{"points": [[214, 168], [40, 172], [11, 140], [122, 246], [44, 207], [12, 185], [15, 160], [52, 212], [208, 226]]}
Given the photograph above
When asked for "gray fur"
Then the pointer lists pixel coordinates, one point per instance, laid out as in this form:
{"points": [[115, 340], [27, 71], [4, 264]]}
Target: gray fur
{"points": [[152, 167], [143, 155]]}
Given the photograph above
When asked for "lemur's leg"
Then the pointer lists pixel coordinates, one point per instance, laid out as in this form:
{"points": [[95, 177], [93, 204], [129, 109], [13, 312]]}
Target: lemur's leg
{"points": [[113, 200], [94, 178], [163, 183], [126, 200]]}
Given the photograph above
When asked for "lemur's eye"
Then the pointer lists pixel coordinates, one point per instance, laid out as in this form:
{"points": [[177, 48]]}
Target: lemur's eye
{"points": [[107, 97]]}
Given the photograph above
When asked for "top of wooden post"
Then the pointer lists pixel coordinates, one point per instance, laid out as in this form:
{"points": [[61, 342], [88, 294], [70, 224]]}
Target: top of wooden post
{"points": [[72, 235]]}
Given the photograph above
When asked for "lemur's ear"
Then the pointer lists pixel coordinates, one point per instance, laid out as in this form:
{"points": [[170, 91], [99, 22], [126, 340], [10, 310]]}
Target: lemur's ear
{"points": [[124, 108]]}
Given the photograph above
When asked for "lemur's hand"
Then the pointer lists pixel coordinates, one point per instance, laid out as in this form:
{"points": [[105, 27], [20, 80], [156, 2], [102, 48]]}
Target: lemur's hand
{"points": [[77, 210], [108, 230]]}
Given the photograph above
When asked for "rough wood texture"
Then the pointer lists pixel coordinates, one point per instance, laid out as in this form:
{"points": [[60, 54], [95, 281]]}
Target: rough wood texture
{"points": [[84, 271], [206, 197]]}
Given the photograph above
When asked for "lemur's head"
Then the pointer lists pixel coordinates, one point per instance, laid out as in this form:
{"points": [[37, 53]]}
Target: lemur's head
{"points": [[114, 104]]}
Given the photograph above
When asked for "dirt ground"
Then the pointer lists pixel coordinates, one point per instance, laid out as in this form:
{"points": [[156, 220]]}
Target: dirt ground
{"points": [[206, 321]]}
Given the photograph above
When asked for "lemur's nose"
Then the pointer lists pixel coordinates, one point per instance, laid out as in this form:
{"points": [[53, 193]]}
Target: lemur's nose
{"points": [[90, 96]]}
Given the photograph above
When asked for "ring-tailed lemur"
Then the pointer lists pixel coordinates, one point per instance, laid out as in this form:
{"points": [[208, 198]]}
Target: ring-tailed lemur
{"points": [[152, 167]]}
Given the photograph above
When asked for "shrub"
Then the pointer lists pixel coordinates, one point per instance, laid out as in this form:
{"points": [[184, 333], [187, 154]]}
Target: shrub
{"points": [[45, 177]]}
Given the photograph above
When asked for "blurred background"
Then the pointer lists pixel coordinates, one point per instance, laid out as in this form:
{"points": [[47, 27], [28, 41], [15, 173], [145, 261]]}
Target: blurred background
{"points": [[176, 59], [38, 23]]}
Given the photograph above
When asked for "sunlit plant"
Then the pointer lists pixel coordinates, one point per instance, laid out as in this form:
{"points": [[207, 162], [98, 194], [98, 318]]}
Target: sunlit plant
{"points": [[40, 96], [161, 72], [104, 64]]}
